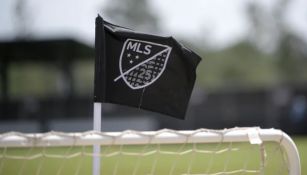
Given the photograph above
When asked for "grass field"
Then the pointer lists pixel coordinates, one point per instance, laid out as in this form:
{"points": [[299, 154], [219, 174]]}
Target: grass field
{"points": [[301, 143], [121, 160]]}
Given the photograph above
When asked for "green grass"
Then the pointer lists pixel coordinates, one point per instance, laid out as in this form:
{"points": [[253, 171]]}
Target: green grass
{"points": [[161, 164], [301, 143]]}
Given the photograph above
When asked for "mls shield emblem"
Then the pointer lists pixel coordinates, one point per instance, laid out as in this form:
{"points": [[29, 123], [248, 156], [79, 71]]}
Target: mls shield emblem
{"points": [[141, 63]]}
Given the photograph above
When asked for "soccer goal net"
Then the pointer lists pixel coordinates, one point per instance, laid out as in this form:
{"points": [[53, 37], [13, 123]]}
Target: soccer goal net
{"points": [[241, 151]]}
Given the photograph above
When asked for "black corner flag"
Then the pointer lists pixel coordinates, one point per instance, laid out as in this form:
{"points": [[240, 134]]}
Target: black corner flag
{"points": [[140, 70]]}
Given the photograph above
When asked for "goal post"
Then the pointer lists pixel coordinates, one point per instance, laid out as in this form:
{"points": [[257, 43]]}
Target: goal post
{"points": [[154, 146]]}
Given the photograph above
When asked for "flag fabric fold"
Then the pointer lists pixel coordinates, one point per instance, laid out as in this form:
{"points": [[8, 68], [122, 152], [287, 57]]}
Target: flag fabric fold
{"points": [[141, 70]]}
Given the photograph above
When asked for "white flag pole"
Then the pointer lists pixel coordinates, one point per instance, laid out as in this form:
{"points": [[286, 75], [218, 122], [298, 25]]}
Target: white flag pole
{"points": [[99, 87], [96, 148]]}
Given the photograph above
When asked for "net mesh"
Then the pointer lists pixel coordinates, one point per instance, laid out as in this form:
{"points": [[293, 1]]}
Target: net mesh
{"points": [[149, 158]]}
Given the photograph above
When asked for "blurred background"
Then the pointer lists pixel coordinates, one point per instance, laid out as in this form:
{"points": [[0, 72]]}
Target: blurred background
{"points": [[253, 72]]}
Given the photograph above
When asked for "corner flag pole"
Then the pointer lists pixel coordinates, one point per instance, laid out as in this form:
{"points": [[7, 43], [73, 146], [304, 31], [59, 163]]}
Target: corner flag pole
{"points": [[96, 148], [99, 87]]}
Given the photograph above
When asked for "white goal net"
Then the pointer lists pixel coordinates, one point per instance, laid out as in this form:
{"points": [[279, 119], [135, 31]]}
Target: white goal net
{"points": [[241, 151]]}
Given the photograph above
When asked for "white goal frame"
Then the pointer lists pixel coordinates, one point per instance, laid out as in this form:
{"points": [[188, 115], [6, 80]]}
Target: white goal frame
{"points": [[165, 136]]}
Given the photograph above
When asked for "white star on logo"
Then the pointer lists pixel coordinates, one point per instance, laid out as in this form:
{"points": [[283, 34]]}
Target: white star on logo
{"points": [[137, 57], [128, 55], [130, 61]]}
